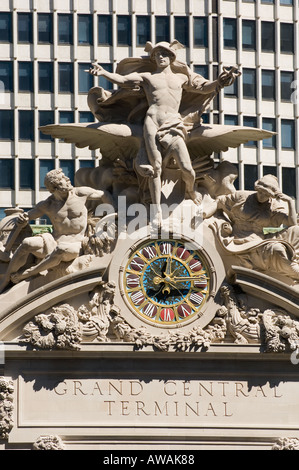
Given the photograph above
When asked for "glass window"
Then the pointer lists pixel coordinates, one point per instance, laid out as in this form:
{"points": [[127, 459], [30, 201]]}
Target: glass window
{"points": [[269, 170], [105, 30], [7, 170], [286, 2], [2, 212], [200, 32], [286, 90], [287, 134], [5, 27], [248, 34], [26, 76], [45, 28], [162, 29], [46, 77], [6, 75], [230, 120], [65, 29], [269, 124], [6, 124], [232, 90], [26, 125], [66, 77], [85, 29], [289, 182], [68, 169], [66, 117], [250, 176], [143, 26], [268, 36], [181, 27], [86, 116], [202, 70], [103, 82], [230, 33], [44, 167], [268, 84], [45, 118], [287, 38], [26, 174], [249, 121], [25, 28], [85, 79], [86, 163], [249, 83], [124, 30]]}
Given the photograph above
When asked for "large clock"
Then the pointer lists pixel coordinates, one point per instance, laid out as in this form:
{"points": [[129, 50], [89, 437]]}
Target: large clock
{"points": [[165, 282]]}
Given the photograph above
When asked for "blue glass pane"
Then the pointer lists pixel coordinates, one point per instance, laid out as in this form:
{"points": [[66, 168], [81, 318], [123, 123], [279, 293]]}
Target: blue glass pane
{"points": [[181, 26], [250, 122], [162, 28], [231, 120], [103, 82], [26, 76], [5, 27], [45, 28], [143, 30], [85, 29], [66, 78], [65, 29], [45, 77], [230, 32], [6, 125], [7, 168], [124, 31], [26, 172], [45, 118], [85, 79], [105, 30], [289, 181], [86, 163], [6, 75], [287, 134], [66, 117], [25, 27], [286, 89], [44, 167], [86, 116], [68, 169], [248, 34], [250, 176], [26, 125], [269, 125], [200, 32]]}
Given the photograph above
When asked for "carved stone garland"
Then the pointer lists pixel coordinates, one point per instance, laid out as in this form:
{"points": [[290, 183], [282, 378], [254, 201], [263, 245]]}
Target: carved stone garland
{"points": [[48, 443], [64, 327], [286, 443], [6, 406]]}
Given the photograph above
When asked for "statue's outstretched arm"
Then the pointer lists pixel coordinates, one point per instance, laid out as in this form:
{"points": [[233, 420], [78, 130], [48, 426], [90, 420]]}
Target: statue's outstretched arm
{"points": [[115, 78]]}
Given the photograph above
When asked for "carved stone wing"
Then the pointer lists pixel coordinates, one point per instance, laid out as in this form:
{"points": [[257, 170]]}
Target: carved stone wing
{"points": [[113, 140], [208, 138], [123, 140]]}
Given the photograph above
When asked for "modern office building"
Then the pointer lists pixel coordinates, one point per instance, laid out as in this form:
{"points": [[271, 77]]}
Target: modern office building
{"points": [[46, 46]]}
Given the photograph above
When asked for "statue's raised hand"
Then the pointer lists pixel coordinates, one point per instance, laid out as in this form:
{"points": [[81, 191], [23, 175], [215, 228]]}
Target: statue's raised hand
{"points": [[96, 69], [228, 76]]}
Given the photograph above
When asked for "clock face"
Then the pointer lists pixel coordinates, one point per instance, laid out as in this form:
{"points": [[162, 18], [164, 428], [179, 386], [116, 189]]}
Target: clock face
{"points": [[166, 282]]}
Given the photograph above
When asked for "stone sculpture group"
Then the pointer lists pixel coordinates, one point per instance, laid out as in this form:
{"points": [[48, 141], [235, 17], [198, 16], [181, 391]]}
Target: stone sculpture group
{"points": [[155, 120]]}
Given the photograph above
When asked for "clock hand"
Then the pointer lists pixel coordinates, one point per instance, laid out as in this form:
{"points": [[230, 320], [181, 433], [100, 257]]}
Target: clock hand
{"points": [[188, 278]]}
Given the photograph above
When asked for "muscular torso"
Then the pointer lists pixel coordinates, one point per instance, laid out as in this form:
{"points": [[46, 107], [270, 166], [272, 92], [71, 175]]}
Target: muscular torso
{"points": [[163, 93], [69, 218]]}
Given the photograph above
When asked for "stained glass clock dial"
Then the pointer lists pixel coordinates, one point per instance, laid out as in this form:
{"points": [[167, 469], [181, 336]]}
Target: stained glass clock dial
{"points": [[165, 282]]}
